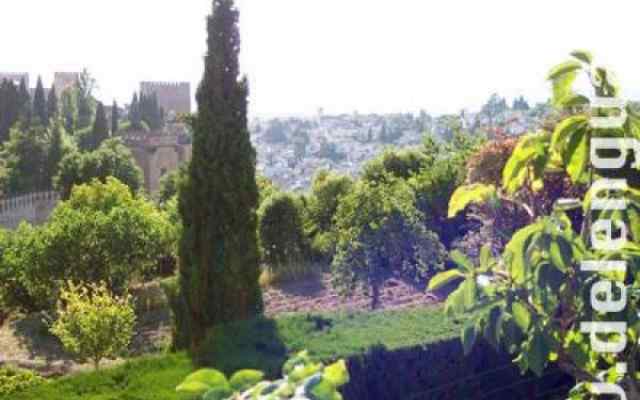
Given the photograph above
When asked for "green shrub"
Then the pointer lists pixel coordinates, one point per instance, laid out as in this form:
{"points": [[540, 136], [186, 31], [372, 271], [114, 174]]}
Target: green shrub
{"points": [[179, 326], [26, 281], [266, 188], [127, 127], [323, 246], [92, 323], [327, 190], [169, 184], [382, 234], [397, 163], [13, 380], [281, 234], [302, 379], [102, 233], [112, 158], [434, 187]]}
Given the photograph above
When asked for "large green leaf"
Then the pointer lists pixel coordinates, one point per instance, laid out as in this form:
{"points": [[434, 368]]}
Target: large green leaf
{"points": [[246, 378], [529, 155], [465, 195], [221, 393], [565, 130], [461, 299], [508, 332], [193, 388], [561, 252], [521, 316], [337, 373], [470, 293], [633, 216], [492, 323], [302, 372], [562, 78], [574, 100], [564, 68], [578, 156], [444, 278], [301, 358], [632, 125], [538, 353], [583, 55], [516, 251], [485, 256], [469, 335], [202, 381], [463, 262], [514, 174], [321, 390]]}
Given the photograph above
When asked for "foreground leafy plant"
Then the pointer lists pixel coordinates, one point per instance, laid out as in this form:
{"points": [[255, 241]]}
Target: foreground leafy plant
{"points": [[303, 379], [557, 295]]}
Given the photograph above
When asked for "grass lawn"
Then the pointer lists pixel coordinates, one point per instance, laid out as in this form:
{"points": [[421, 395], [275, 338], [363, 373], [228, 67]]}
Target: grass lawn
{"points": [[263, 344]]}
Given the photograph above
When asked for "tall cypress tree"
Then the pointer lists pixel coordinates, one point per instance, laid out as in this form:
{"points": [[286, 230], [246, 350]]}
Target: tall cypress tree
{"points": [[24, 103], [9, 108], [100, 131], [115, 118], [84, 99], [55, 152], [40, 105], [134, 113], [52, 104], [218, 249]]}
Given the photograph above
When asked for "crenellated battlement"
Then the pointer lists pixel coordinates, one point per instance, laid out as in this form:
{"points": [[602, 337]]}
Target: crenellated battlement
{"points": [[34, 208], [151, 140], [172, 96], [160, 85]]}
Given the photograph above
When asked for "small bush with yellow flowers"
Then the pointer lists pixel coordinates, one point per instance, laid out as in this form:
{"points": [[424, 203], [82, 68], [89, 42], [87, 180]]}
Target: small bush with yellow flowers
{"points": [[94, 324], [13, 380]]}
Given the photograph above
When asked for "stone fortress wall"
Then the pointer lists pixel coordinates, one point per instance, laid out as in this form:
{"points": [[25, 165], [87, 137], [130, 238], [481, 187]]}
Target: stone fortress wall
{"points": [[33, 208]]}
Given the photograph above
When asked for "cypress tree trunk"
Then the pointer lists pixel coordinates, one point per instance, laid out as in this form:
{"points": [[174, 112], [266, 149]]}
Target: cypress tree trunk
{"points": [[218, 200]]}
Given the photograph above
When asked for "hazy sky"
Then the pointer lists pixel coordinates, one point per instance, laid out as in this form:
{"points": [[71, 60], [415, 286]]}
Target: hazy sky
{"points": [[343, 55]]}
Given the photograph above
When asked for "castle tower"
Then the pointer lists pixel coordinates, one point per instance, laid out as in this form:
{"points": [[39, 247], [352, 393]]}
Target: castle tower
{"points": [[64, 80], [157, 156], [172, 96]]}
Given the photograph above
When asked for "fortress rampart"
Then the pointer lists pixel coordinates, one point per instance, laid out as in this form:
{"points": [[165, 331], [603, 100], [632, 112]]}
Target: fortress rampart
{"points": [[33, 208]]}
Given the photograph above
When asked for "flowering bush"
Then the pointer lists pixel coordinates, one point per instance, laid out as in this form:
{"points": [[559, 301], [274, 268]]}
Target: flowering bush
{"points": [[13, 380], [92, 323]]}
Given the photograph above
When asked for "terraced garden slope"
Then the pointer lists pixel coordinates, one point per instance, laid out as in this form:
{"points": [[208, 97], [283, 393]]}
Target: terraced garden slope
{"points": [[262, 344]]}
